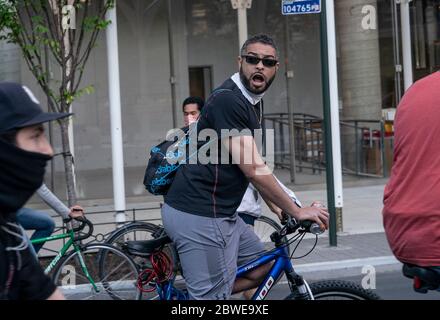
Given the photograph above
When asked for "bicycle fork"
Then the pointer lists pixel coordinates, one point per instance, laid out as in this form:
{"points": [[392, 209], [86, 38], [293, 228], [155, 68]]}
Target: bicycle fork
{"points": [[85, 270], [299, 286]]}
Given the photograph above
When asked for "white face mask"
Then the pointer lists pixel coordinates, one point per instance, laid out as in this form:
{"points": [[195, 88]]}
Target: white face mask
{"points": [[192, 119]]}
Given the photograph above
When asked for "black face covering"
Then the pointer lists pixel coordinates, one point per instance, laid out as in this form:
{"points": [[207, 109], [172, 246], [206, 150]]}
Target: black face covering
{"points": [[21, 174]]}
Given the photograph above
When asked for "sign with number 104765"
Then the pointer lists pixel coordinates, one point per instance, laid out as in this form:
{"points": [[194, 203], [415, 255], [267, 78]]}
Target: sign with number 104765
{"points": [[300, 6]]}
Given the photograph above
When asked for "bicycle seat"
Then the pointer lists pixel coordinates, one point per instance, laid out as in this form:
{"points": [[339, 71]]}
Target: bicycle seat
{"points": [[145, 248], [424, 278]]}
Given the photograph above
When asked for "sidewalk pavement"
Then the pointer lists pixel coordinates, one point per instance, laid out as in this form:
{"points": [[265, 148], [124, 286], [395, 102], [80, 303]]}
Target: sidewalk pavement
{"points": [[361, 243], [361, 246], [354, 255]]}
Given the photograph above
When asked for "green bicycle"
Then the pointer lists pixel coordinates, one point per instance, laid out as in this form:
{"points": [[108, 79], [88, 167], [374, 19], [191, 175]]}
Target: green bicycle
{"points": [[91, 271]]}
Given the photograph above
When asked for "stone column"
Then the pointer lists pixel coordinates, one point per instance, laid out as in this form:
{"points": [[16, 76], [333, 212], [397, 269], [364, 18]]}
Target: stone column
{"points": [[359, 72], [359, 61]]}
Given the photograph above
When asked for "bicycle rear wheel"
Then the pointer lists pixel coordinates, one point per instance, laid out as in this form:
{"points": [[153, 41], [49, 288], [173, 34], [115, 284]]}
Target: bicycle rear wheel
{"points": [[338, 290], [138, 231], [115, 279]]}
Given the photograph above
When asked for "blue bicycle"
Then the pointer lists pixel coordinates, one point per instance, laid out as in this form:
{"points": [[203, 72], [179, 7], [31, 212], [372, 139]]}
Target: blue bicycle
{"points": [[157, 279]]}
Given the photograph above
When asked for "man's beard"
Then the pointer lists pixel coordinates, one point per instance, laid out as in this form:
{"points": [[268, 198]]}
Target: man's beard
{"points": [[247, 84]]}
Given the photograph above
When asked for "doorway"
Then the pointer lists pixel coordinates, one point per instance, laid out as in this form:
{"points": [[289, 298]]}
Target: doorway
{"points": [[200, 81]]}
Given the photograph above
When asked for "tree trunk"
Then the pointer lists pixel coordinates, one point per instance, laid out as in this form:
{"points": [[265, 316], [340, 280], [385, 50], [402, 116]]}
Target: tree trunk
{"points": [[68, 163]]}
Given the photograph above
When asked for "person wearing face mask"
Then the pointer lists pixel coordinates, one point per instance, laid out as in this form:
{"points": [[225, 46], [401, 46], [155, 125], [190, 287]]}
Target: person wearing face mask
{"points": [[24, 152], [192, 107], [41, 222]]}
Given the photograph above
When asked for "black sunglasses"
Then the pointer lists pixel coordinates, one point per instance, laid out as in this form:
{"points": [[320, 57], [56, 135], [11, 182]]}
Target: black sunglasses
{"points": [[267, 62]]}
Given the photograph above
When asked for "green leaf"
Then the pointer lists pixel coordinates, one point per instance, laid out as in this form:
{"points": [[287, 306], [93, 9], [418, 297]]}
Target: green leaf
{"points": [[89, 89], [41, 29], [38, 19]]}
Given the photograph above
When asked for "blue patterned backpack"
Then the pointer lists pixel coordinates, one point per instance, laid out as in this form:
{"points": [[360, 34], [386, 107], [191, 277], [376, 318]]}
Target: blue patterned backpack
{"points": [[160, 170]]}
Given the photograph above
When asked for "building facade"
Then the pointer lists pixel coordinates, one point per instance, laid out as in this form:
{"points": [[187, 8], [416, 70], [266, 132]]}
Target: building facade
{"points": [[204, 49]]}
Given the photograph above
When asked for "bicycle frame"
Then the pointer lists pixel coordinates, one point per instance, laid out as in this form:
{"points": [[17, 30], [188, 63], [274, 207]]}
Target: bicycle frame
{"points": [[62, 252], [282, 263]]}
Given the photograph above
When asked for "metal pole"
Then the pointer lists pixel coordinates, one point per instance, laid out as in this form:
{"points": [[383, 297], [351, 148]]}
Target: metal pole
{"points": [[242, 26], [241, 6], [356, 137], [115, 116], [382, 153], [327, 126], [282, 144], [289, 75], [406, 44], [396, 50], [334, 110], [172, 71]]}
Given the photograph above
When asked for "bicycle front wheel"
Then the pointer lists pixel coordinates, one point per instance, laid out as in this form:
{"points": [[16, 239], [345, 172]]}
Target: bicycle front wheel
{"points": [[81, 275], [338, 290], [264, 227]]}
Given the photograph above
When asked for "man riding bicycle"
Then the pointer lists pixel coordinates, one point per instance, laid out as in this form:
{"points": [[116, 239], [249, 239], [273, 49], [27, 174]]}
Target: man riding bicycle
{"points": [[199, 213]]}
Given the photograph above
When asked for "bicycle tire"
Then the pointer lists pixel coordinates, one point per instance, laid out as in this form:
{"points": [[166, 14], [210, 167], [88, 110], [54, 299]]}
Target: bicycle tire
{"points": [[338, 290], [264, 227], [147, 231], [115, 279], [150, 228]]}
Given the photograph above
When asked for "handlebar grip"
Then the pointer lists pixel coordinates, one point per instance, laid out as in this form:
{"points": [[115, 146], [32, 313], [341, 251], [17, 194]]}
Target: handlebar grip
{"points": [[78, 227], [84, 221], [312, 227]]}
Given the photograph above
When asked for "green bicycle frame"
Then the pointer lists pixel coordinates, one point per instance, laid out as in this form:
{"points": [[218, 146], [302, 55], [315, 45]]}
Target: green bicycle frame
{"points": [[62, 252]]}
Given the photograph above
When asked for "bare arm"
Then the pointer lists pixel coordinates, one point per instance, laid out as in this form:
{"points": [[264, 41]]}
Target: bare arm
{"points": [[245, 154], [274, 208]]}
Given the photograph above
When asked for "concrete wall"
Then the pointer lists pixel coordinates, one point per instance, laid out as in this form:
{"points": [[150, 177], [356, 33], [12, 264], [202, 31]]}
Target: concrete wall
{"points": [[204, 33], [145, 97], [213, 41], [303, 55], [10, 64], [212, 37]]}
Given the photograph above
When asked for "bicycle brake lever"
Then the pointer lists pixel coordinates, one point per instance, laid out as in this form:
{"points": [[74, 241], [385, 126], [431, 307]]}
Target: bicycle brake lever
{"points": [[284, 218]]}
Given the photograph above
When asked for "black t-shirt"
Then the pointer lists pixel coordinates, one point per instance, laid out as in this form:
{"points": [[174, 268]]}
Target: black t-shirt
{"points": [[216, 190], [28, 283]]}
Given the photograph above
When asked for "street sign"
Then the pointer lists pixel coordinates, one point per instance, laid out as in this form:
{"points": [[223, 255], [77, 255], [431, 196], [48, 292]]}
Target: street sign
{"points": [[300, 6]]}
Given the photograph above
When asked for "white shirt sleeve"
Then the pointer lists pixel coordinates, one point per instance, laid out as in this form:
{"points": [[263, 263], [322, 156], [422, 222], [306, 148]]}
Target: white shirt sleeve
{"points": [[251, 202], [52, 201]]}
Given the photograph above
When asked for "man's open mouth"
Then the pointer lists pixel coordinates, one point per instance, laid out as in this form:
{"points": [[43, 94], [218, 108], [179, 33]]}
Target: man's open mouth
{"points": [[258, 78]]}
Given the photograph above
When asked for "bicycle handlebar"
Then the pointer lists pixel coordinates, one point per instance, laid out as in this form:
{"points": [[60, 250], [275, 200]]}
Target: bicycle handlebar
{"points": [[83, 223], [292, 225]]}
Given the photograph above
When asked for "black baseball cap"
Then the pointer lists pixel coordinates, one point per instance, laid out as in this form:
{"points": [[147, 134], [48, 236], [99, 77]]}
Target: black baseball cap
{"points": [[19, 108]]}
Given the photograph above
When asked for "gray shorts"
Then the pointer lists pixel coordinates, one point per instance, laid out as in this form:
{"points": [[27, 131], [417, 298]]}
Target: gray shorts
{"points": [[210, 249]]}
